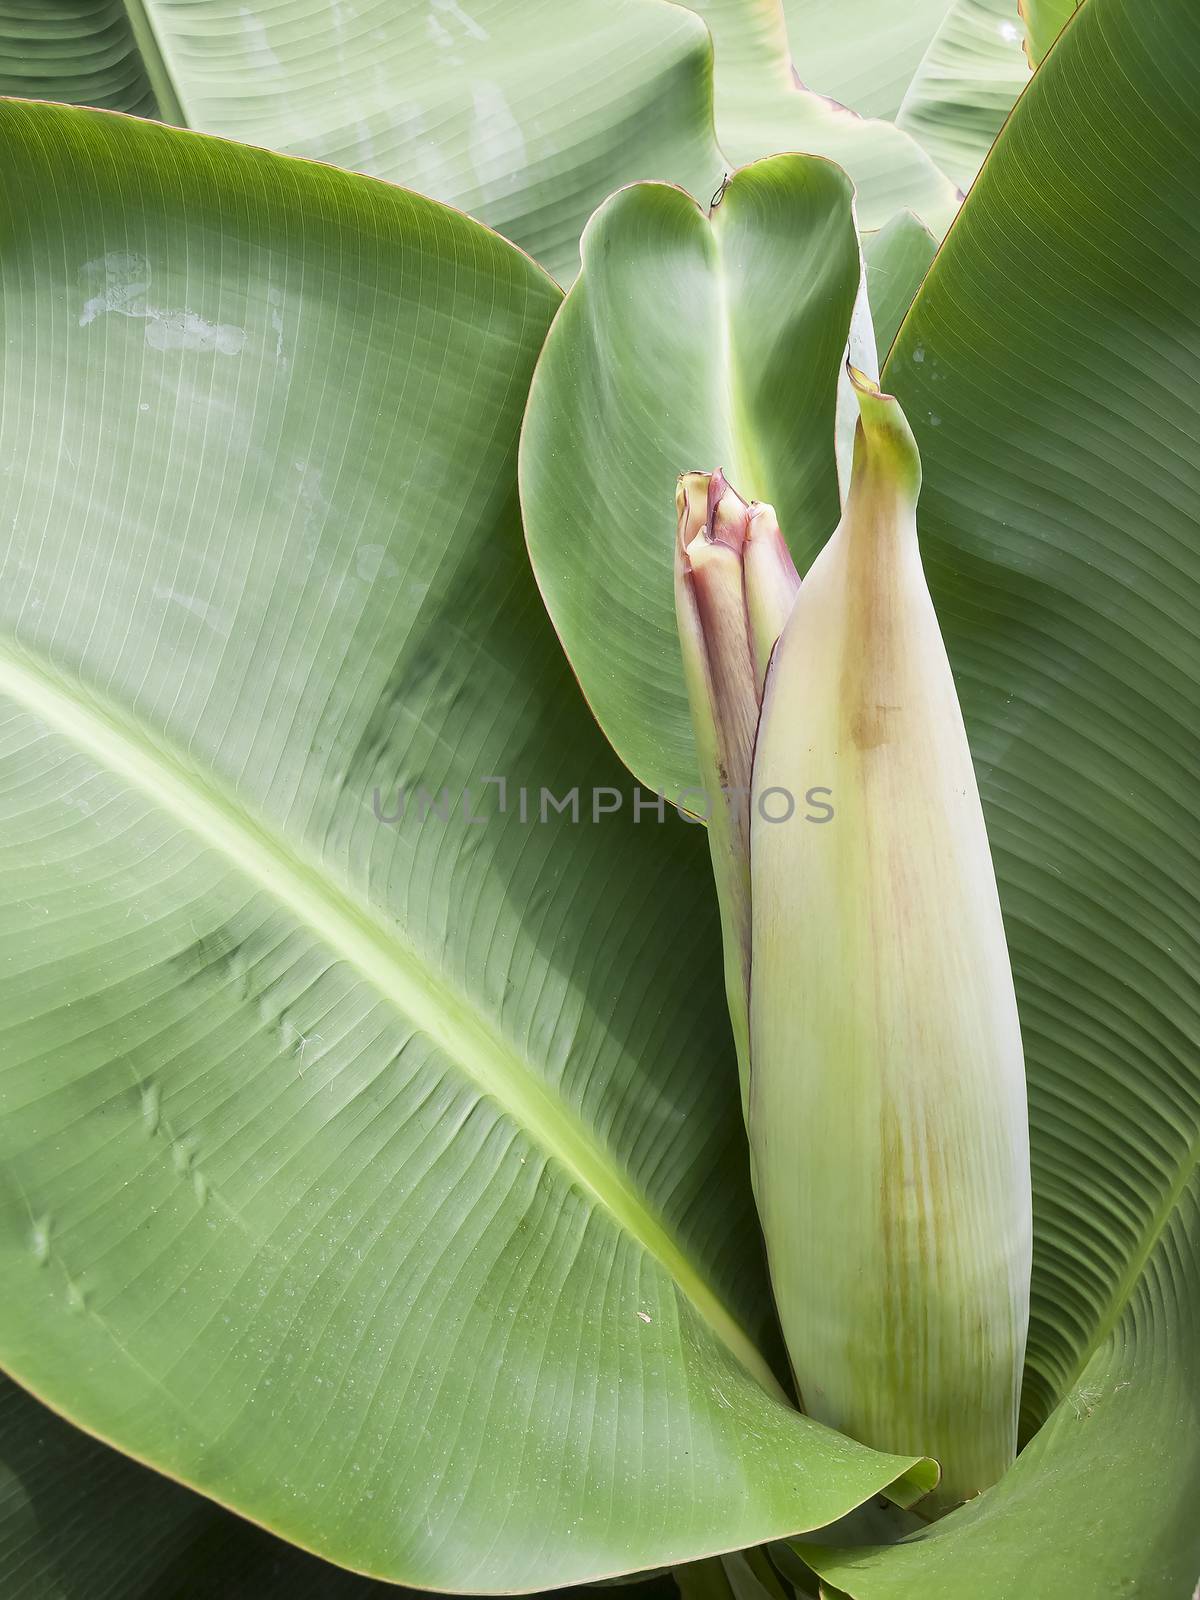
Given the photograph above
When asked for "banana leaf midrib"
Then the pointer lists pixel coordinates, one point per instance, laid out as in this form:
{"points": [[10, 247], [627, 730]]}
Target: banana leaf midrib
{"points": [[155, 63], [467, 1038], [1140, 1258]]}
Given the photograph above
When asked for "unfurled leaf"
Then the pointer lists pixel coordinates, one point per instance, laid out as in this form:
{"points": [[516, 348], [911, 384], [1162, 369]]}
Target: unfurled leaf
{"points": [[687, 341]]}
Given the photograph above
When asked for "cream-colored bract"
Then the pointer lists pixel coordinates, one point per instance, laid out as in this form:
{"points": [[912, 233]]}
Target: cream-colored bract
{"points": [[888, 1110]]}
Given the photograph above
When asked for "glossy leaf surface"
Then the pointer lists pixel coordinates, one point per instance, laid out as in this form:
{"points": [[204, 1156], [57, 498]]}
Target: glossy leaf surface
{"points": [[524, 113], [377, 1171]]}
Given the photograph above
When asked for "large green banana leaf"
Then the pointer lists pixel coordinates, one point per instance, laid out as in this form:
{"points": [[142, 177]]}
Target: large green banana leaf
{"points": [[381, 1176], [78, 1521], [525, 113], [1050, 369]]}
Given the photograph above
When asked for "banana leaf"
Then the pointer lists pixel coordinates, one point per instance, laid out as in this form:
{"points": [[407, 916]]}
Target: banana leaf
{"points": [[524, 113], [370, 1156]]}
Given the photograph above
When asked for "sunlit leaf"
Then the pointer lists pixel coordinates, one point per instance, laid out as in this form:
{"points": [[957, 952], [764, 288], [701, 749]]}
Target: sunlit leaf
{"points": [[372, 1167]]}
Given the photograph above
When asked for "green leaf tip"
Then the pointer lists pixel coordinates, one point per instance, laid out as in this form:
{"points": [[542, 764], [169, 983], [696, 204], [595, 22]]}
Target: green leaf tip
{"points": [[884, 446]]}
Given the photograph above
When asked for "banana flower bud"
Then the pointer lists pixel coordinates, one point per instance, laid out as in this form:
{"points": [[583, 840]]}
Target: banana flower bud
{"points": [[734, 587], [887, 1110]]}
